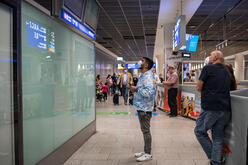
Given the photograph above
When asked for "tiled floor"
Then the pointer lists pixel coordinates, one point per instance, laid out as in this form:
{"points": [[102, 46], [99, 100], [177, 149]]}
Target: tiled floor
{"points": [[118, 137]]}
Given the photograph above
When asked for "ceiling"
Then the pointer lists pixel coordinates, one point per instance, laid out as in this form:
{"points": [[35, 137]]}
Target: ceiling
{"points": [[128, 27], [216, 21]]}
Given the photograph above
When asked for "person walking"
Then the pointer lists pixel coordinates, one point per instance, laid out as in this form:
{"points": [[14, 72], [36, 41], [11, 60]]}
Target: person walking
{"points": [[125, 81], [144, 96], [214, 85], [172, 84]]}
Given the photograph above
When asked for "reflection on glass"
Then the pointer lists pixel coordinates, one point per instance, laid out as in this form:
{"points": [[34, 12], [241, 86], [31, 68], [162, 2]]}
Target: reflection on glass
{"points": [[58, 85], [6, 99]]}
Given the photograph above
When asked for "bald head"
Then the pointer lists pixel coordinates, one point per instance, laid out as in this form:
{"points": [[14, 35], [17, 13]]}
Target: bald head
{"points": [[216, 57]]}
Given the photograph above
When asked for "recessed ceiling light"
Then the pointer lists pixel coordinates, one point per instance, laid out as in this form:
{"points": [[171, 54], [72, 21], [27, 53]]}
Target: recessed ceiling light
{"points": [[192, 26]]}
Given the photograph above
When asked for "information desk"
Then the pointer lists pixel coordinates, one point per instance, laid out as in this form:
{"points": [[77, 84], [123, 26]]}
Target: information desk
{"points": [[162, 98], [188, 100]]}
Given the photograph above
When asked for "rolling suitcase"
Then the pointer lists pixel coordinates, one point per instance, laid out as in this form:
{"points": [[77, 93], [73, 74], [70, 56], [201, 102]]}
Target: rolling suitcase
{"points": [[116, 98]]}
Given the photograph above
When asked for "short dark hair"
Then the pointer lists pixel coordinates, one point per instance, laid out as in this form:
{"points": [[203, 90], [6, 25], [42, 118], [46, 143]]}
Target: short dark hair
{"points": [[149, 62]]}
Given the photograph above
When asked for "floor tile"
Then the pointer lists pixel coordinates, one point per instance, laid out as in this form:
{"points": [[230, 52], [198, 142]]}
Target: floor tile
{"points": [[118, 137]]}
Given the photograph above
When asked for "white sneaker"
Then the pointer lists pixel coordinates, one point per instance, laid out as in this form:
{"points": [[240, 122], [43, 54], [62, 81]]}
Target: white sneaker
{"points": [[144, 157], [139, 154]]}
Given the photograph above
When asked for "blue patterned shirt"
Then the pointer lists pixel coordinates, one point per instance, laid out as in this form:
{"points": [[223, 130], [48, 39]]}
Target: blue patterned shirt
{"points": [[144, 95]]}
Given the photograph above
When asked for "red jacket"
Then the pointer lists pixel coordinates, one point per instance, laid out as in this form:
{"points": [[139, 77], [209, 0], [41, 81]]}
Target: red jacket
{"points": [[105, 89]]}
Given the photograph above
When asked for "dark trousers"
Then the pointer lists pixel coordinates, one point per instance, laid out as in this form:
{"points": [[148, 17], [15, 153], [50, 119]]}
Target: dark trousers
{"points": [[144, 119], [215, 121], [172, 100], [105, 95]]}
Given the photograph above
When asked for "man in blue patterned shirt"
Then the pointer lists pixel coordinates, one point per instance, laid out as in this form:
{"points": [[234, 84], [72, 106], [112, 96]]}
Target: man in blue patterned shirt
{"points": [[144, 96]]}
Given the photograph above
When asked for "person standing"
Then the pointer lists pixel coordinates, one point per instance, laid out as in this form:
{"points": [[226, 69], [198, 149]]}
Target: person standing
{"points": [[233, 85], [214, 85], [157, 81], [187, 78], [125, 81], [105, 89], [193, 79], [144, 96], [114, 79], [172, 84], [109, 83]]}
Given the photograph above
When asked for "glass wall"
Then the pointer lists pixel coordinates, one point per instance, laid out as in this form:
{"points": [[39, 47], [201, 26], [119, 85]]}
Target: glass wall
{"points": [[6, 86], [58, 72]]}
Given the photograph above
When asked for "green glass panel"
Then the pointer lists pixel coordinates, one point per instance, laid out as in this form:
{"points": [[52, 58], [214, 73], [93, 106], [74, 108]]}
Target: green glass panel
{"points": [[58, 68]]}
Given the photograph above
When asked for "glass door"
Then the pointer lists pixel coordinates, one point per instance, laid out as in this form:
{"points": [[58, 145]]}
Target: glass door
{"points": [[6, 86]]}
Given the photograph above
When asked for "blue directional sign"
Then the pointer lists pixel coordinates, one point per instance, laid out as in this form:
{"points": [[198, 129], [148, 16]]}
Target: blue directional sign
{"points": [[177, 33], [65, 16], [39, 36], [36, 35], [131, 66]]}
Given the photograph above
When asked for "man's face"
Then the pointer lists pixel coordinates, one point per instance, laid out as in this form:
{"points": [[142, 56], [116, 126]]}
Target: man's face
{"points": [[143, 65], [171, 70]]}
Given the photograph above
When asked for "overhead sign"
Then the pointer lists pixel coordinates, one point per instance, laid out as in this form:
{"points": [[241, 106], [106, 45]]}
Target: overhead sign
{"points": [[186, 55], [65, 16], [179, 33], [131, 66], [135, 66], [119, 58]]}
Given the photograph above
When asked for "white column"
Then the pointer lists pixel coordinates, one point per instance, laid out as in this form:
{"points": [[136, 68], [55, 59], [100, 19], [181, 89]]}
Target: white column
{"points": [[239, 67]]}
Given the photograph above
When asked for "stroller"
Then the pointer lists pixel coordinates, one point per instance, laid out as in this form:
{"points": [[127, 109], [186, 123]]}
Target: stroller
{"points": [[99, 93]]}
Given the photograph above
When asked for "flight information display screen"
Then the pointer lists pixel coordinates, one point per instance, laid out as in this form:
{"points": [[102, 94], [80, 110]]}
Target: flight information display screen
{"points": [[91, 14], [39, 36], [190, 43], [75, 6]]}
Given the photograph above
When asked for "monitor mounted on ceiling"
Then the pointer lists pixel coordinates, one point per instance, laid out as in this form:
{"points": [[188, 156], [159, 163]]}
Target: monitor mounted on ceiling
{"points": [[75, 8], [91, 14], [191, 43]]}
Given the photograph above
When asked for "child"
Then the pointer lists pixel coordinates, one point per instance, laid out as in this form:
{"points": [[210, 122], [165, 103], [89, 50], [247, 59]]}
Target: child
{"points": [[105, 91]]}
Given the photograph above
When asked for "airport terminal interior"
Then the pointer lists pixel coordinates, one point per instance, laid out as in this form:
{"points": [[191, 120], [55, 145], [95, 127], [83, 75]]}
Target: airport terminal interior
{"points": [[123, 82]]}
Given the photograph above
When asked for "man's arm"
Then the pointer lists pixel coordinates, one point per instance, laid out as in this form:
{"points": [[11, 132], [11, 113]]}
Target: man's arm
{"points": [[199, 85], [131, 80], [118, 80], [172, 81], [167, 82]]}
